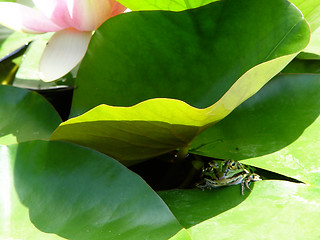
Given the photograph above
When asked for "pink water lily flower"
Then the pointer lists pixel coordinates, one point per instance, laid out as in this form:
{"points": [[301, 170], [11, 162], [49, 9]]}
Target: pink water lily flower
{"points": [[72, 21]]}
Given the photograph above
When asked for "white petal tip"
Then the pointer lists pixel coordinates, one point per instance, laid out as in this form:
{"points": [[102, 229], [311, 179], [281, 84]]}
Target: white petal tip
{"points": [[64, 51]]}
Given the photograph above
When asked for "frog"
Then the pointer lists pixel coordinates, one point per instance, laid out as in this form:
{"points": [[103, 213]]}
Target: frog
{"points": [[219, 173]]}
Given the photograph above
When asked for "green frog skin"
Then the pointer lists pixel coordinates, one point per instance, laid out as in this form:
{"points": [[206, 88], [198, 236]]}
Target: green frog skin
{"points": [[226, 173]]}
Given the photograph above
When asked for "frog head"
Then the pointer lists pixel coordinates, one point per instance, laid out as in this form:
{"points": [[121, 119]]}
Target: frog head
{"points": [[223, 169]]}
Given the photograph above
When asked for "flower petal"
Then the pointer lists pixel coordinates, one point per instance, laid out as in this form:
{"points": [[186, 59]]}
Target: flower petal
{"points": [[88, 15], [25, 19], [64, 51], [47, 7], [56, 10]]}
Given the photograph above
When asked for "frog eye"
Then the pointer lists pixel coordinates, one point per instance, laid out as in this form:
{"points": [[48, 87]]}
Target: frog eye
{"points": [[233, 165]]}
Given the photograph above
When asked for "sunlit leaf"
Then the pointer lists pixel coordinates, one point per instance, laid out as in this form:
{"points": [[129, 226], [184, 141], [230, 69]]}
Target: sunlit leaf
{"points": [[271, 207], [311, 11], [171, 5]]}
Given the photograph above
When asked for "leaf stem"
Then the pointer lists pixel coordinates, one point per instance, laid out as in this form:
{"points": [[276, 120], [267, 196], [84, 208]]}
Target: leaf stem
{"points": [[183, 152]]}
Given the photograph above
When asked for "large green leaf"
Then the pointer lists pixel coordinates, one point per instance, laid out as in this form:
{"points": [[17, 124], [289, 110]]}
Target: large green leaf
{"points": [[277, 129], [194, 55], [222, 68], [274, 210], [25, 116], [171, 5], [52, 190]]}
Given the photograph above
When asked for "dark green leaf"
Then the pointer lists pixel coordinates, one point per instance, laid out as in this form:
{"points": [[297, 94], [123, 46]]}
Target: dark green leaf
{"points": [[302, 66], [57, 188], [25, 116], [194, 55]]}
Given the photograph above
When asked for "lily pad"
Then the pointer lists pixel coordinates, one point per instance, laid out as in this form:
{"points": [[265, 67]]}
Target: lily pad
{"points": [[25, 116], [277, 129], [263, 214], [52, 190], [194, 56]]}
